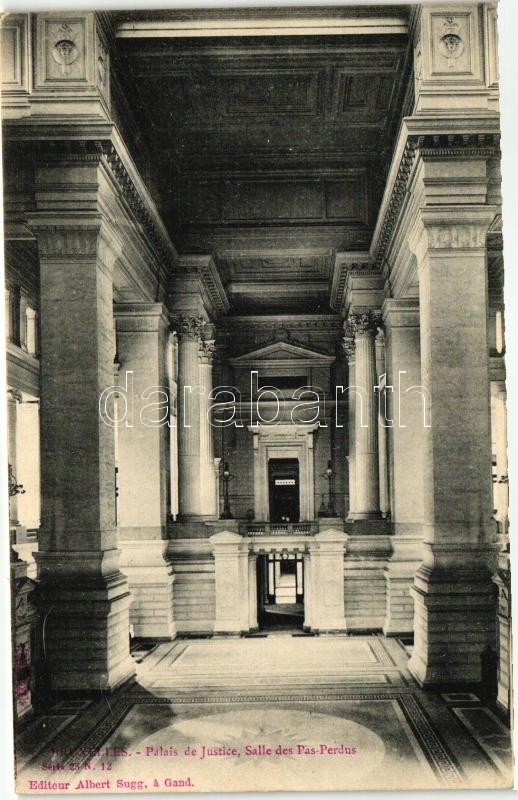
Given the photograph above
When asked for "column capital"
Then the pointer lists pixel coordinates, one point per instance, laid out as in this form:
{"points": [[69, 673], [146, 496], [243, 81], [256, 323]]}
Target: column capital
{"points": [[14, 396], [365, 323], [348, 345], [451, 229], [206, 351], [188, 327], [78, 238]]}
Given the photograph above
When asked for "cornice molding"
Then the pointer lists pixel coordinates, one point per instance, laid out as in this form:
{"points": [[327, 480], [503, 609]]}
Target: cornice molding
{"points": [[306, 322], [203, 269], [346, 264], [96, 142], [427, 145]]}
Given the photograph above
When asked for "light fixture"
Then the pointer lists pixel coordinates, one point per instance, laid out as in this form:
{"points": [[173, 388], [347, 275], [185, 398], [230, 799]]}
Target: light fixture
{"points": [[227, 477]]}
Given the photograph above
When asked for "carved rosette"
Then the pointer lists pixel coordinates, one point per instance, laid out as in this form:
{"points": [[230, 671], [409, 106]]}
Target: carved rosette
{"points": [[365, 324], [188, 328], [206, 351]]}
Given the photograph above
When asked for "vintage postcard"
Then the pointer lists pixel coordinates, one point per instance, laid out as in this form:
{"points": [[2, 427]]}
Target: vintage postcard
{"points": [[256, 399]]}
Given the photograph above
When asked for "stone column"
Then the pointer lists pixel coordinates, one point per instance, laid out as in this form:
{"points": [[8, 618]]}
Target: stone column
{"points": [[28, 465], [406, 410], [189, 486], [13, 399], [499, 436], [382, 430], [143, 465], [7, 297], [208, 486], [86, 598], [327, 581], [365, 327], [308, 592], [32, 331], [348, 346], [453, 592]]}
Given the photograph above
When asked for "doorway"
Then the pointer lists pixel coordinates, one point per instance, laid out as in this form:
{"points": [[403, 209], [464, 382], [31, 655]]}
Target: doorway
{"points": [[284, 491], [280, 591]]}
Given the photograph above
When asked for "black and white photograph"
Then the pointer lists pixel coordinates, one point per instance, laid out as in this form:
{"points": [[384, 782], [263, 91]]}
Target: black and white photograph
{"points": [[256, 423]]}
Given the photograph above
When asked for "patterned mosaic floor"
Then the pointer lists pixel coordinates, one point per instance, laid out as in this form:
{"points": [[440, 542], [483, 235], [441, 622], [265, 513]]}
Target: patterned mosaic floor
{"points": [[317, 713]]}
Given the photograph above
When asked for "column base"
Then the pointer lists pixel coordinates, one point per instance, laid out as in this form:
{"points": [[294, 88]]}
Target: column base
{"points": [[399, 620], [339, 630], [399, 578], [231, 573], [366, 527], [455, 620], [365, 586], [86, 634], [194, 587], [150, 577], [353, 516], [327, 582]]}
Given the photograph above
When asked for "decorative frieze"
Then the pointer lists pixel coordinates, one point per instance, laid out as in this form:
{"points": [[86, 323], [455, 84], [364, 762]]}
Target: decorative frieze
{"points": [[452, 237], [80, 240]]}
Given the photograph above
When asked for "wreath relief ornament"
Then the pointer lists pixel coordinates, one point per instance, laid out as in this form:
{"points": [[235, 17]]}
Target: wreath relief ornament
{"points": [[450, 43], [65, 51]]}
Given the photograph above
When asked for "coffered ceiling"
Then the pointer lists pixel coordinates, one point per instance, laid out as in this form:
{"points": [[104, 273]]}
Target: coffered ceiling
{"points": [[272, 151]]}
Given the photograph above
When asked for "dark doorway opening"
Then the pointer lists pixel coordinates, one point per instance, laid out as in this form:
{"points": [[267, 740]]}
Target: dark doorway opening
{"points": [[280, 591], [283, 482]]}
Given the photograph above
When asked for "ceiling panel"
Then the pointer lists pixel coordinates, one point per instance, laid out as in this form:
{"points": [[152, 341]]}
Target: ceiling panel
{"points": [[269, 144]]}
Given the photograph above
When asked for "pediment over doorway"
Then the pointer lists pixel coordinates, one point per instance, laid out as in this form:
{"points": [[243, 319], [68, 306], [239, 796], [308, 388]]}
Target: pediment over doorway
{"points": [[283, 353]]}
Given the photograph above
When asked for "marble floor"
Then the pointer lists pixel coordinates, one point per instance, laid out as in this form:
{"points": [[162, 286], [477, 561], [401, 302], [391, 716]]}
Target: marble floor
{"points": [[281, 712]]}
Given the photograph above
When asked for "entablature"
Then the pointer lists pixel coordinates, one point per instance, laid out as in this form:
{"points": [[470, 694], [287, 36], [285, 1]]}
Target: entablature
{"points": [[85, 167], [457, 147]]}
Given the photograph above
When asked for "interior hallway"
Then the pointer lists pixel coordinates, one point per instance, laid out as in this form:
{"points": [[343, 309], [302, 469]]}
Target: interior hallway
{"points": [[306, 695]]}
